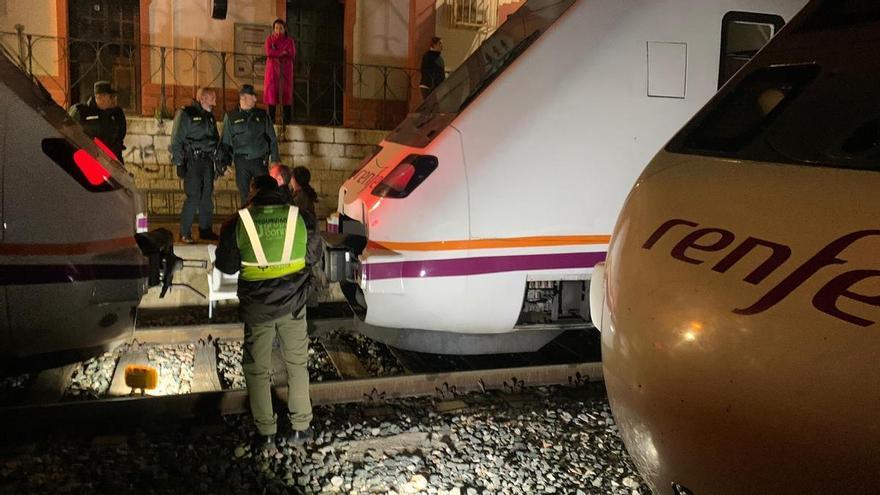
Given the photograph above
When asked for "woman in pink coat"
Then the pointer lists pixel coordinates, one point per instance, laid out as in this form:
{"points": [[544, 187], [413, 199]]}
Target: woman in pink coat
{"points": [[278, 81]]}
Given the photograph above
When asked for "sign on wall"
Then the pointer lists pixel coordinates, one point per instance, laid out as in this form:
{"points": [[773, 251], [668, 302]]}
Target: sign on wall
{"points": [[250, 56]]}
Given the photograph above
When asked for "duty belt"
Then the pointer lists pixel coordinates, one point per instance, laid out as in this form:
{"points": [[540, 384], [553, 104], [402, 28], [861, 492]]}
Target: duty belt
{"points": [[201, 154]]}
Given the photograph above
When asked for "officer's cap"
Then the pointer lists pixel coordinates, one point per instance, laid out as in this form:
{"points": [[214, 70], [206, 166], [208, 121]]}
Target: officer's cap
{"points": [[104, 87], [247, 89]]}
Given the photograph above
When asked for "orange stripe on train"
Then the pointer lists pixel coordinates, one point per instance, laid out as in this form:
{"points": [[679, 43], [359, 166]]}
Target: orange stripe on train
{"points": [[513, 242]]}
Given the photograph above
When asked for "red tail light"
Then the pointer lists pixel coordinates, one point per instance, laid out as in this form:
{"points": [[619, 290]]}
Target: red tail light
{"points": [[407, 176], [106, 149], [94, 172], [79, 164], [400, 176]]}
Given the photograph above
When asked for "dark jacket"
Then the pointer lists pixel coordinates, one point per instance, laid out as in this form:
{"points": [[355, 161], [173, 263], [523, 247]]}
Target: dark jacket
{"points": [[266, 300], [433, 69], [303, 201], [107, 125], [249, 133], [194, 129]]}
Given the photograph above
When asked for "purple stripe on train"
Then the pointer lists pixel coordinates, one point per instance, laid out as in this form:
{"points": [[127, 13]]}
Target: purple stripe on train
{"points": [[480, 266]]}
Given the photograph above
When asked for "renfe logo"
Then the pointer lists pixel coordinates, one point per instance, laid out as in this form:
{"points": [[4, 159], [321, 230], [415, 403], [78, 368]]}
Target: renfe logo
{"points": [[825, 300]]}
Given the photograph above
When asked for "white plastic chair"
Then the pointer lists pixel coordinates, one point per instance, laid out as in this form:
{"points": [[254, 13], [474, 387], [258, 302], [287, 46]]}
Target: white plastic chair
{"points": [[220, 285]]}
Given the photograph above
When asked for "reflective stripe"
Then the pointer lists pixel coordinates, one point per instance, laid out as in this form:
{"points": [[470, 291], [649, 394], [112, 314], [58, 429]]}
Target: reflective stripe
{"points": [[251, 230], [289, 234]]}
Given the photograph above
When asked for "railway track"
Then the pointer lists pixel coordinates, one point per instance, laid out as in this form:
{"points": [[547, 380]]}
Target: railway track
{"points": [[445, 377]]}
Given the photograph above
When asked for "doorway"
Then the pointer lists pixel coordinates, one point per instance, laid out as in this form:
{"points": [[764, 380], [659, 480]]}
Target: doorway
{"points": [[103, 45], [317, 26]]}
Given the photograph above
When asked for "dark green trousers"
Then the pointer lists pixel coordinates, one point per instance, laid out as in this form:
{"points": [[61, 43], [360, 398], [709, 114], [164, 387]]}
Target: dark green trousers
{"points": [[257, 364]]}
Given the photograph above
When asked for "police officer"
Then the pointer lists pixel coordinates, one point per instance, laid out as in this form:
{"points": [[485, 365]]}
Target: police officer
{"points": [[194, 142], [249, 138], [273, 245], [101, 118]]}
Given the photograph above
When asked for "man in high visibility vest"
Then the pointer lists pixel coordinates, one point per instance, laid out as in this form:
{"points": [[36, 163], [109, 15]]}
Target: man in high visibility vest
{"points": [[273, 245]]}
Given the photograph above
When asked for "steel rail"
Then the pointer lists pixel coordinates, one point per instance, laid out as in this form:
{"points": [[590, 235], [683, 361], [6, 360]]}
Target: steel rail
{"points": [[187, 334], [146, 410]]}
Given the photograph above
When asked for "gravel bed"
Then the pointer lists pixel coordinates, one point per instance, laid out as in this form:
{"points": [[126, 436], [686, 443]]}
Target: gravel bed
{"points": [[229, 364], [175, 365], [232, 375], [375, 357], [557, 444], [91, 379]]}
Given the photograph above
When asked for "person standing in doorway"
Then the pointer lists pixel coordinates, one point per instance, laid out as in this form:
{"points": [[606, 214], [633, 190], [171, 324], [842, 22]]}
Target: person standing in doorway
{"points": [[249, 139], [102, 118], [279, 77], [433, 68], [194, 142]]}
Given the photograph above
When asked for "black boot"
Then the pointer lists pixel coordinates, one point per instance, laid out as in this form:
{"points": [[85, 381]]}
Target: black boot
{"points": [[207, 235], [300, 437], [264, 445]]}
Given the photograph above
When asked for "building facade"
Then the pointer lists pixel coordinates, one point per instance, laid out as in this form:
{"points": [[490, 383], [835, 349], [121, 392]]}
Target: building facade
{"points": [[357, 70], [357, 60]]}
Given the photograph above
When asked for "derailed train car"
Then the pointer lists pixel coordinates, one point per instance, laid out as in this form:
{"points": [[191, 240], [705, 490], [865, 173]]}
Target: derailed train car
{"points": [[71, 273], [476, 227], [741, 296]]}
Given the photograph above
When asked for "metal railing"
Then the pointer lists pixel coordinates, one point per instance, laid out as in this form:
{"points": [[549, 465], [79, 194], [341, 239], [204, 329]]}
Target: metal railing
{"points": [[154, 80]]}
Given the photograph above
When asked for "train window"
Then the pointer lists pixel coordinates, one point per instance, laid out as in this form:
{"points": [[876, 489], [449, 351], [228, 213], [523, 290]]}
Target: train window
{"points": [[750, 108], [793, 114], [742, 35], [837, 14]]}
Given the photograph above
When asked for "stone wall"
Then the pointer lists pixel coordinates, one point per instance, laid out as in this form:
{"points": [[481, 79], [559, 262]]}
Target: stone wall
{"points": [[331, 153]]}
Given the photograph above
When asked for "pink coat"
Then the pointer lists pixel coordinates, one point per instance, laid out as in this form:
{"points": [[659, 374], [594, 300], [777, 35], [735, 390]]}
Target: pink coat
{"points": [[281, 53]]}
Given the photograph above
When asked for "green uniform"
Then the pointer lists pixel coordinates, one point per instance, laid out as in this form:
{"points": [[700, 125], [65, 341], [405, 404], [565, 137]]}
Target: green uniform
{"points": [[194, 130], [272, 244], [248, 138], [194, 141], [250, 133]]}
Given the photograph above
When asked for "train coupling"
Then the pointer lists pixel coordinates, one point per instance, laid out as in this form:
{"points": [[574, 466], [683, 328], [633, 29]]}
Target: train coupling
{"points": [[341, 263], [158, 246]]}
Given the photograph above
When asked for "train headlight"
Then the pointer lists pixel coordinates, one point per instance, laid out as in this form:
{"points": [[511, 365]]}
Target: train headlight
{"points": [[407, 176]]}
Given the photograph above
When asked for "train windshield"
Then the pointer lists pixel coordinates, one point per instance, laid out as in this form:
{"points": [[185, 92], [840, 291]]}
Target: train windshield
{"points": [[478, 71], [801, 114], [824, 113]]}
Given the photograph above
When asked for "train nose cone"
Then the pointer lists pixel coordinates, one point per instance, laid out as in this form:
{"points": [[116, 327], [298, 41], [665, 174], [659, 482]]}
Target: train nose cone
{"points": [[740, 351]]}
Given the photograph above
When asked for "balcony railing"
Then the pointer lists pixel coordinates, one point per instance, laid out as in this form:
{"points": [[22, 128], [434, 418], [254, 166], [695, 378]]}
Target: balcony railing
{"points": [[473, 13], [154, 80]]}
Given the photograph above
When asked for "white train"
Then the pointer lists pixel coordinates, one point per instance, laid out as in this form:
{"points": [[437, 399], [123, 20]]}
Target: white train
{"points": [[741, 295], [476, 227], [71, 274]]}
